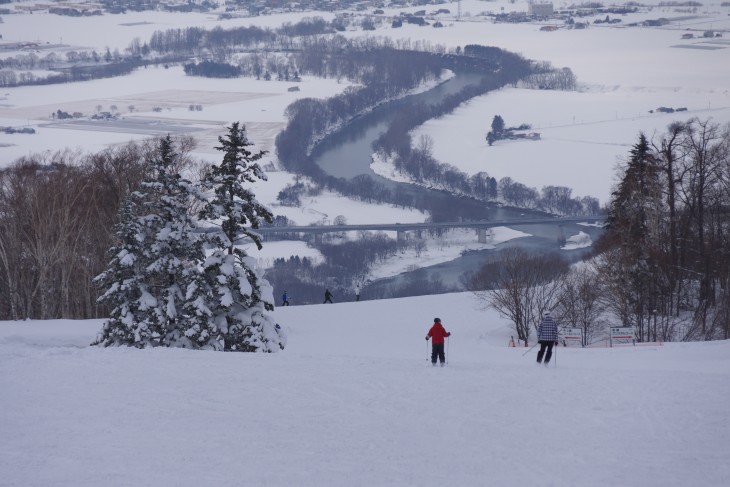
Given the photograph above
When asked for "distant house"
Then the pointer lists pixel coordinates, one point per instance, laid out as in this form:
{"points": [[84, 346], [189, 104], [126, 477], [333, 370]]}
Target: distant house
{"points": [[416, 20], [540, 9], [293, 88], [549, 28], [688, 36], [655, 22]]}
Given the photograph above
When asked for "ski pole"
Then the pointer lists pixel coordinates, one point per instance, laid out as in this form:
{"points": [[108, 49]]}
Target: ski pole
{"points": [[428, 359], [528, 350], [556, 356], [447, 350]]}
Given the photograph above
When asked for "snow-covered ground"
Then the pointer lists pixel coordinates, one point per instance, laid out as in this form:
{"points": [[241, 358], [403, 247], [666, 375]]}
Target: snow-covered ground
{"points": [[623, 73], [354, 401]]}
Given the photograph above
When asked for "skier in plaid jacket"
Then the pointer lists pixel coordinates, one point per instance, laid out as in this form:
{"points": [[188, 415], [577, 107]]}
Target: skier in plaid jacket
{"points": [[547, 336]]}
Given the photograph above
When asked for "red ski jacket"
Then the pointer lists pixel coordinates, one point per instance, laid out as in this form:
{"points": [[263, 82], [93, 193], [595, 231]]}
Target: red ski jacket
{"points": [[438, 333]]}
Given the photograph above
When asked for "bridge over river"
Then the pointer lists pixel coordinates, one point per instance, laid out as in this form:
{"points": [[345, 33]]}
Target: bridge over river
{"points": [[401, 228]]}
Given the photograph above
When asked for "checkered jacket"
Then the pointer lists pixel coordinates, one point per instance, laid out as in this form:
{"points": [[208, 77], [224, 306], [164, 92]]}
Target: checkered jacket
{"points": [[548, 330]]}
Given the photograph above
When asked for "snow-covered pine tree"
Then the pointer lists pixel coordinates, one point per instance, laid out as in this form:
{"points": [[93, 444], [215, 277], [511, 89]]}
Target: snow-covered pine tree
{"points": [[633, 223], [125, 292], [157, 257], [231, 290]]}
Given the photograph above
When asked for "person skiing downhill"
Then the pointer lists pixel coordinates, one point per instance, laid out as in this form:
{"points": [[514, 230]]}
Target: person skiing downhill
{"points": [[327, 296], [547, 336], [438, 333]]}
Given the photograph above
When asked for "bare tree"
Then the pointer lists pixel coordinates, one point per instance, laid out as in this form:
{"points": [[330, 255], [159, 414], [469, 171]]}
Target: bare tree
{"points": [[579, 301], [57, 213], [419, 246], [521, 286]]}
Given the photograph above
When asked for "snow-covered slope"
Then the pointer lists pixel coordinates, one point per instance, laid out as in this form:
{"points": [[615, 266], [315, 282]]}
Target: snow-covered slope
{"points": [[354, 401]]}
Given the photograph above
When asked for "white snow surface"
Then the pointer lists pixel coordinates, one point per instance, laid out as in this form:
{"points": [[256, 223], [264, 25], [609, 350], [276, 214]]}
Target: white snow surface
{"points": [[354, 401]]}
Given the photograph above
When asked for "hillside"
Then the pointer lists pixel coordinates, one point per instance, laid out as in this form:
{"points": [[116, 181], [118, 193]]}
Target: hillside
{"points": [[354, 401]]}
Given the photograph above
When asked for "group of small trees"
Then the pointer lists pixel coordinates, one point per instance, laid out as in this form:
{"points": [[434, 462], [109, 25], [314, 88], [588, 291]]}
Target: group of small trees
{"points": [[557, 200], [550, 79], [344, 262], [522, 286], [497, 129], [500, 131]]}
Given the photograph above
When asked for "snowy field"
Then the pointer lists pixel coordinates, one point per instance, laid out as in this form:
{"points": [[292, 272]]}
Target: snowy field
{"points": [[355, 402], [623, 72]]}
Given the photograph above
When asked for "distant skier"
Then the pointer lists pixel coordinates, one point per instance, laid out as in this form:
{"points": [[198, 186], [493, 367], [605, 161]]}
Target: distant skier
{"points": [[327, 296], [285, 299], [438, 333], [547, 336], [357, 293]]}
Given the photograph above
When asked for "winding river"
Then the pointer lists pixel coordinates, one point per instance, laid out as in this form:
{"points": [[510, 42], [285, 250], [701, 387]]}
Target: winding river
{"points": [[347, 154]]}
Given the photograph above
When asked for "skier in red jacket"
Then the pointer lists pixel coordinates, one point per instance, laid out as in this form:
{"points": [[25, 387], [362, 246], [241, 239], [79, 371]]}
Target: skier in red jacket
{"points": [[438, 333]]}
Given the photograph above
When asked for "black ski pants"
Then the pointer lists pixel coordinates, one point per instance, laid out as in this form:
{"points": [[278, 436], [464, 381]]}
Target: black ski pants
{"points": [[437, 350], [545, 345]]}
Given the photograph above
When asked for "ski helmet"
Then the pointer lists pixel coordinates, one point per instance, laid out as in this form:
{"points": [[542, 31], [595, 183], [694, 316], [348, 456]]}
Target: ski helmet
{"points": [[437, 320]]}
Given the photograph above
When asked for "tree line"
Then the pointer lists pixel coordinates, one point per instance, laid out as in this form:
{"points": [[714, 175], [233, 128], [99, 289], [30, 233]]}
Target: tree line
{"points": [[662, 265], [667, 233], [57, 214]]}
